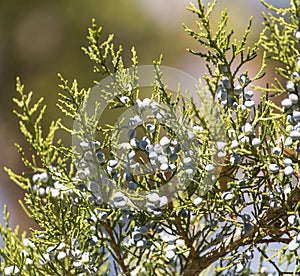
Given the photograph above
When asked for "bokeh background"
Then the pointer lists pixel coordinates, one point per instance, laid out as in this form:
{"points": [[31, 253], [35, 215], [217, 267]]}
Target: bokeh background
{"points": [[38, 39]]}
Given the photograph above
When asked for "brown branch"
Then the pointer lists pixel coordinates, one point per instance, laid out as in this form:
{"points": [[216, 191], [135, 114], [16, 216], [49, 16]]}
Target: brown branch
{"points": [[267, 224], [233, 242], [198, 264], [183, 233], [116, 249], [267, 241]]}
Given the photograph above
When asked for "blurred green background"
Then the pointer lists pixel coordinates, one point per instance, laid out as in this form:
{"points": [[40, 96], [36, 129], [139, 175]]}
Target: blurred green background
{"points": [[38, 39]]}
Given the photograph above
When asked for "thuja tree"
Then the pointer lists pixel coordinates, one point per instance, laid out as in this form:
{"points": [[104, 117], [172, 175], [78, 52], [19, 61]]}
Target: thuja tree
{"points": [[179, 184]]}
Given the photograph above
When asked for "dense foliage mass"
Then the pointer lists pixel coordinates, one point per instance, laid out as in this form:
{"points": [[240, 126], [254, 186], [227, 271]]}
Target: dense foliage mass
{"points": [[244, 222]]}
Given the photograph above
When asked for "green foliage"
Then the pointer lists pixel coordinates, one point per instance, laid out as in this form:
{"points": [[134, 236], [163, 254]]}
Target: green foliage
{"points": [[224, 56], [252, 200], [280, 41]]}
